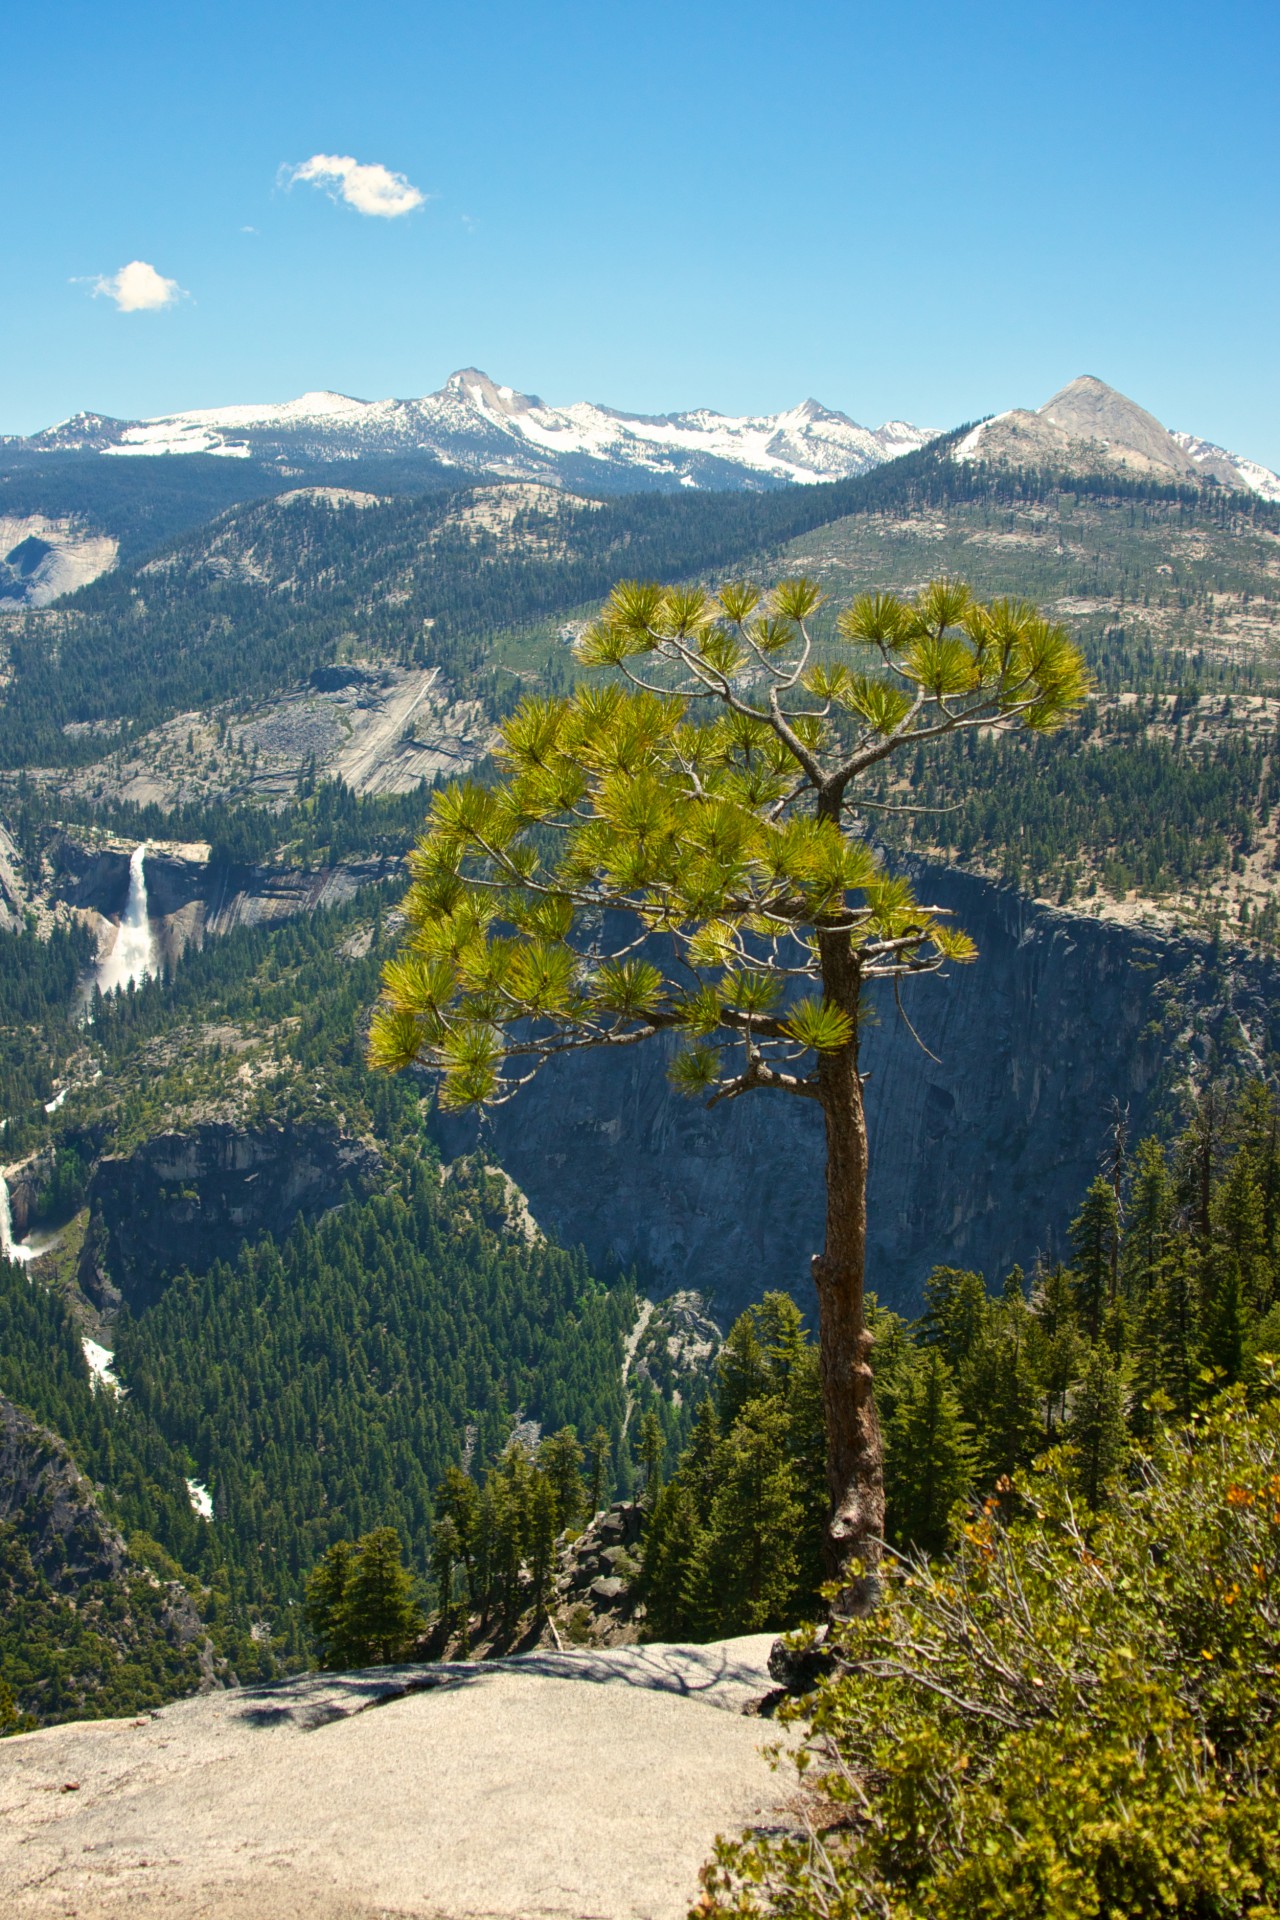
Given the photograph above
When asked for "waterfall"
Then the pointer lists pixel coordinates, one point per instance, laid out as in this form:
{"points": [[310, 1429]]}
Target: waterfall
{"points": [[100, 1375], [133, 956], [201, 1499], [10, 1249]]}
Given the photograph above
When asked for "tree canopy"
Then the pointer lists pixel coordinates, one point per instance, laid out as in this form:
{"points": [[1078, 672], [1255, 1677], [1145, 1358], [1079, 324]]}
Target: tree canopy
{"points": [[681, 849], [700, 799]]}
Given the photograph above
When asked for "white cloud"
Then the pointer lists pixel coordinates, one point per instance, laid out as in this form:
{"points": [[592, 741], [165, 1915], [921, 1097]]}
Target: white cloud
{"points": [[138, 288], [367, 187]]}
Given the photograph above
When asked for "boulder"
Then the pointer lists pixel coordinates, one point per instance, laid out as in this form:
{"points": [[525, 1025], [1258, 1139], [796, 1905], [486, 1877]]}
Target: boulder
{"points": [[620, 1526]]}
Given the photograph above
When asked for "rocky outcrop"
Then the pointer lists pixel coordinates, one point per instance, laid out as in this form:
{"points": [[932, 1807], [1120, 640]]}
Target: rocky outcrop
{"points": [[979, 1156], [13, 893], [182, 1201], [673, 1346], [64, 1530], [41, 558], [26, 1181], [591, 1781], [92, 1628], [595, 1594], [190, 897]]}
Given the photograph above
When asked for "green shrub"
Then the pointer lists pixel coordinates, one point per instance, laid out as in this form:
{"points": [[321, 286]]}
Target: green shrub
{"points": [[1070, 1715]]}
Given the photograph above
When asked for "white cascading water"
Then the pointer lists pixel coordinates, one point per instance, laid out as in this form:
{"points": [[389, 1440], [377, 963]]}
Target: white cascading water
{"points": [[10, 1249], [131, 960], [133, 957]]}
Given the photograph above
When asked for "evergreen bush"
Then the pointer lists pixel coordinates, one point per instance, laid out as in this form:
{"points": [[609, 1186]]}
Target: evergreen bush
{"points": [[1071, 1714]]}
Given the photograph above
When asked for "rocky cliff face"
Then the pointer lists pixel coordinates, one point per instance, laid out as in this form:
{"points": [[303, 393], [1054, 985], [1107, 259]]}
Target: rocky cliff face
{"points": [[25, 1182], [190, 898], [64, 1530], [978, 1158], [68, 1582], [12, 894], [186, 1200]]}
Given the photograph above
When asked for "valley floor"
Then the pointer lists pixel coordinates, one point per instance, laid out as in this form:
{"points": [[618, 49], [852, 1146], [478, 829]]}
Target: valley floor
{"points": [[583, 1783]]}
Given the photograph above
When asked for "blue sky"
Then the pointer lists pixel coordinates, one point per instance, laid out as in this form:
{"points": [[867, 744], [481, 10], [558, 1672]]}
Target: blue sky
{"points": [[919, 210]]}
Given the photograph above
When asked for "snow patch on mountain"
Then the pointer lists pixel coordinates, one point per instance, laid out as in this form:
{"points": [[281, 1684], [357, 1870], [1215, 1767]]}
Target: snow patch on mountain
{"points": [[1250, 474], [480, 426], [474, 423]]}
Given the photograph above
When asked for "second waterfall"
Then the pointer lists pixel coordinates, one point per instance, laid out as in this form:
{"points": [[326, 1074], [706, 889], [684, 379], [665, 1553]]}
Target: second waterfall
{"points": [[133, 957]]}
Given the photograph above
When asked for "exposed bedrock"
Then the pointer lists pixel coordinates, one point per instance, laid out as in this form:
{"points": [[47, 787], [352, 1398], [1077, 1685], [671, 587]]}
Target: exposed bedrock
{"points": [[94, 877], [25, 1181], [55, 1508], [189, 907], [978, 1159], [185, 1200], [13, 895]]}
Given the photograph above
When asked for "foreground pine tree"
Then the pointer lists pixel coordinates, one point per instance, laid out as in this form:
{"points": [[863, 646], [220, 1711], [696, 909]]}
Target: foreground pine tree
{"points": [[681, 851], [360, 1606]]}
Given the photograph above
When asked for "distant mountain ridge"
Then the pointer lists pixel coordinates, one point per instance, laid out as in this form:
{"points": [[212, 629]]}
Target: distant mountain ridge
{"points": [[474, 425], [1088, 426], [480, 427]]}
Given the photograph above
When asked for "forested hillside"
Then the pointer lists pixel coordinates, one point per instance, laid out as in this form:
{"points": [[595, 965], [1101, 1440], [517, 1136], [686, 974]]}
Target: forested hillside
{"points": [[318, 1379], [1171, 1295], [1071, 1673], [142, 503], [268, 591], [1162, 795], [322, 1387]]}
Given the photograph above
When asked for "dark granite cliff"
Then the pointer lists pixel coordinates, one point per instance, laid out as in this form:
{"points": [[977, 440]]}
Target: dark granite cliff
{"points": [[186, 1200], [978, 1159]]}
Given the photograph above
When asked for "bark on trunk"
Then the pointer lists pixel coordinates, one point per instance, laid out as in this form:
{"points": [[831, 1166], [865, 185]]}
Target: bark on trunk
{"points": [[855, 1456]]}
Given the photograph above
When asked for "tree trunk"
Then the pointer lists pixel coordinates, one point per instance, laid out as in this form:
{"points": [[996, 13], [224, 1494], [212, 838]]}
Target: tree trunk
{"points": [[855, 1457]]}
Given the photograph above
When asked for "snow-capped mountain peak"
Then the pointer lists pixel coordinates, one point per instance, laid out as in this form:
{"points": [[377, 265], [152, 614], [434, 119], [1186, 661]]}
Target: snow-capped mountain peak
{"points": [[1088, 425], [475, 423], [479, 426], [1232, 468], [477, 390]]}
